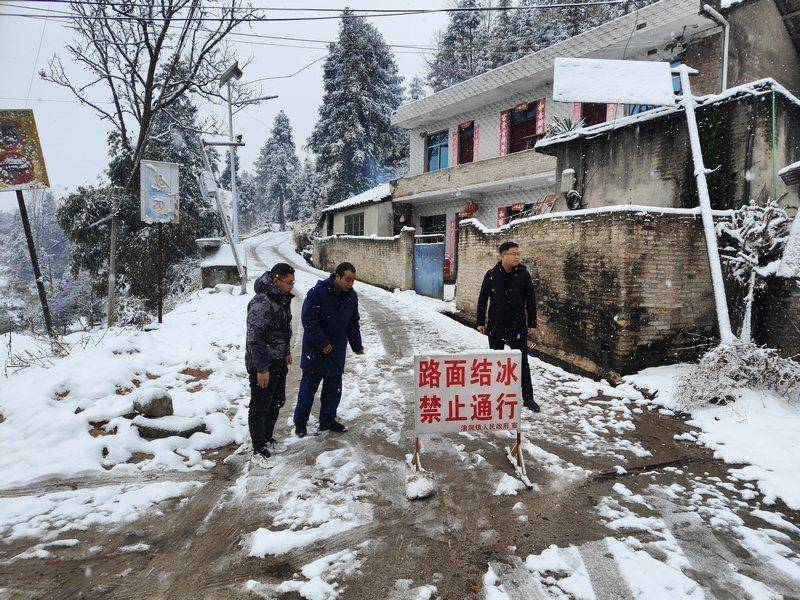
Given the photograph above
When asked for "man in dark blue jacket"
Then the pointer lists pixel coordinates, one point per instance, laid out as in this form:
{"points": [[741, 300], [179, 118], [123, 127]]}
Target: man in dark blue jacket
{"points": [[330, 321]]}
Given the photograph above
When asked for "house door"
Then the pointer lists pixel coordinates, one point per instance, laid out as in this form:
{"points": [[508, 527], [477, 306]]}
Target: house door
{"points": [[429, 266]]}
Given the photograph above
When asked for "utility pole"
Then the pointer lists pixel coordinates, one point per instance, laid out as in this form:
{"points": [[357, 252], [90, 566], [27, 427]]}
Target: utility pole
{"points": [[112, 262], [232, 157], [37, 274], [687, 100]]}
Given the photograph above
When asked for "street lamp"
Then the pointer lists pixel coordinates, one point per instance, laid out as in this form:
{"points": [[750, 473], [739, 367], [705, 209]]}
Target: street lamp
{"points": [[231, 73]]}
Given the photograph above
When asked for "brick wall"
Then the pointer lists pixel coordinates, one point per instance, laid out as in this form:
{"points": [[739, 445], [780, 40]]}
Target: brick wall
{"points": [[616, 291], [780, 311], [385, 262]]}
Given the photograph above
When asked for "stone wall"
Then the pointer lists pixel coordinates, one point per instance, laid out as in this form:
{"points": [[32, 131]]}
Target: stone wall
{"points": [[779, 325], [617, 290], [387, 262]]}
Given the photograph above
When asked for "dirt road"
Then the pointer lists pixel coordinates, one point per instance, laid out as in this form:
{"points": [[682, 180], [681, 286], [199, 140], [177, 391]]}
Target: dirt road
{"points": [[619, 503]]}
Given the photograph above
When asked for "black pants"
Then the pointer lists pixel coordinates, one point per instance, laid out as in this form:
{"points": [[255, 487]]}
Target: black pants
{"points": [[265, 403], [521, 343]]}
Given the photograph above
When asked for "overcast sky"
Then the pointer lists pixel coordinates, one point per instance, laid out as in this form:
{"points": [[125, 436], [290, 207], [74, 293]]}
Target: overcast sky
{"points": [[73, 137]]}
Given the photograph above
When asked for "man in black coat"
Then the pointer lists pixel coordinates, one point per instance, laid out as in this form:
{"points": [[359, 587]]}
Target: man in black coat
{"points": [[268, 356], [508, 290]]}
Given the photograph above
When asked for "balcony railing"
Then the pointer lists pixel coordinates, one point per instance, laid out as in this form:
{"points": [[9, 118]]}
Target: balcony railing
{"points": [[492, 170]]}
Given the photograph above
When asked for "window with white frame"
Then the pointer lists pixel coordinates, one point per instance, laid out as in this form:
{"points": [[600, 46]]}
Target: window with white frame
{"points": [[436, 151]]}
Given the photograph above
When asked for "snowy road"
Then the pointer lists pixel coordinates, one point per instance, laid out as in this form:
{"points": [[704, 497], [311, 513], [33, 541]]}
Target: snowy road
{"points": [[620, 509]]}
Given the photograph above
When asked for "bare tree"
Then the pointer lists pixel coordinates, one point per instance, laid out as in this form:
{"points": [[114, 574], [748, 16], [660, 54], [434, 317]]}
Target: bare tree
{"points": [[145, 56]]}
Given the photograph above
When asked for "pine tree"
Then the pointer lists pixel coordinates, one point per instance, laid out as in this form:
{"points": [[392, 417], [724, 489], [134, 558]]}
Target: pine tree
{"points": [[310, 191], [504, 43], [225, 176], [417, 89], [462, 48], [354, 140], [250, 217], [277, 170]]}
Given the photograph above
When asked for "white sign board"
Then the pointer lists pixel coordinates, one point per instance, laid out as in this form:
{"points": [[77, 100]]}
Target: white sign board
{"points": [[613, 81], [160, 191], [475, 392]]}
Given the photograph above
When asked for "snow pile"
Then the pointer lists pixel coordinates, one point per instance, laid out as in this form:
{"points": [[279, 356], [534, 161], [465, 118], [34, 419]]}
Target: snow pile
{"points": [[726, 370], [561, 571], [312, 507], [650, 578], [508, 486], [419, 486], [48, 515], [790, 262], [759, 430], [319, 575], [197, 355]]}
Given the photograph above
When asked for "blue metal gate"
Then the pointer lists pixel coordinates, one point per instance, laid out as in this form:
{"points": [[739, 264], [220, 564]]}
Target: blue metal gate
{"points": [[429, 269]]}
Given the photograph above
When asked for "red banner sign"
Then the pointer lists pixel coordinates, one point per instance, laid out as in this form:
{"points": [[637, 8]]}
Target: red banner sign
{"points": [[474, 391]]}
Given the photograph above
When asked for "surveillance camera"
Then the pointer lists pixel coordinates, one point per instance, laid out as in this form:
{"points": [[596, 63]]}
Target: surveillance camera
{"points": [[238, 138]]}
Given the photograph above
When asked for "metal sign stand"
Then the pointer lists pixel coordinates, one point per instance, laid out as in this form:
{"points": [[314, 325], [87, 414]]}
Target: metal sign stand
{"points": [[415, 462], [160, 271], [518, 460], [37, 274]]}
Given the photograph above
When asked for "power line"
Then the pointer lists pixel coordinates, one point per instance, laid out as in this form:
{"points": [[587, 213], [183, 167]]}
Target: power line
{"points": [[368, 11], [38, 50], [313, 62], [355, 14], [255, 35]]}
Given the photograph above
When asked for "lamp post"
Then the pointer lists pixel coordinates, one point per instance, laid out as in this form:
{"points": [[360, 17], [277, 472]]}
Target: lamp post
{"points": [[232, 72], [226, 79]]}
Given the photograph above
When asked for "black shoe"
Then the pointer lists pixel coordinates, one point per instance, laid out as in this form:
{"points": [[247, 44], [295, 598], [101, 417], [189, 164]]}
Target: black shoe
{"points": [[333, 426], [532, 406], [300, 431]]}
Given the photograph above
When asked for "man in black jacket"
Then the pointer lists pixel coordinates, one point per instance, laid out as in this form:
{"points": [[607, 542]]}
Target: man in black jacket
{"points": [[268, 356], [508, 289]]}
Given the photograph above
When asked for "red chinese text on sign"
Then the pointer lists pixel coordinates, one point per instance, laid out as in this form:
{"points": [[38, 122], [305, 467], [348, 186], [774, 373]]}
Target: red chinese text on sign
{"points": [[475, 391]]}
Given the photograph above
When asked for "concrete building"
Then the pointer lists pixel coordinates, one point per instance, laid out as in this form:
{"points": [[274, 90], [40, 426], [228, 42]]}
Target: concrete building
{"points": [[369, 213], [747, 133], [472, 145]]}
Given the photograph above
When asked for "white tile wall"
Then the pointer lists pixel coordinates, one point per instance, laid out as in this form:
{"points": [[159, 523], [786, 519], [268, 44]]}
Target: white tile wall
{"points": [[488, 121]]}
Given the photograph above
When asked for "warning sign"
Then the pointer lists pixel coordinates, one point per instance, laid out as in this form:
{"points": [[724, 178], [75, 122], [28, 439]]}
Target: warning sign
{"points": [[21, 160], [474, 392]]}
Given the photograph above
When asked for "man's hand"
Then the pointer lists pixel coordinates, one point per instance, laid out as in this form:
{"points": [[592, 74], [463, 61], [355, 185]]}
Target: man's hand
{"points": [[288, 360], [327, 349], [263, 379], [482, 329], [360, 351]]}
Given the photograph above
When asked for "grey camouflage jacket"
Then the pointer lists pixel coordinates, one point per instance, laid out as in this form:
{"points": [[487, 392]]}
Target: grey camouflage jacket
{"points": [[269, 326]]}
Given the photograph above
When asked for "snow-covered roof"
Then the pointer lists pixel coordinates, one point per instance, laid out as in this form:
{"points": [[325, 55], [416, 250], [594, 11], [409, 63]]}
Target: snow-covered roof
{"points": [[651, 27], [790, 262], [754, 88], [376, 194], [790, 173]]}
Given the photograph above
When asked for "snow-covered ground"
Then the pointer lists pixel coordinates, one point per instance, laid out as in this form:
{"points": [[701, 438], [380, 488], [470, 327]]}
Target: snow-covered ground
{"points": [[615, 509], [760, 431]]}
